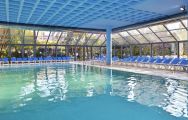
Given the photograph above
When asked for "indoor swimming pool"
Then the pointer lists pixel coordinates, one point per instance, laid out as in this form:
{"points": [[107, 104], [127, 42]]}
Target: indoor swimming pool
{"points": [[80, 92]]}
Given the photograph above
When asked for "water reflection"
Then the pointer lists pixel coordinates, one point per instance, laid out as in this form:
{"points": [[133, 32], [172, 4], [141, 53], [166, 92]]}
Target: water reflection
{"points": [[168, 94], [56, 83]]}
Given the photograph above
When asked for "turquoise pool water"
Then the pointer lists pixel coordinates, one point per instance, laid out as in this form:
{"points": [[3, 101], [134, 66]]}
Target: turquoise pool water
{"points": [[75, 92]]}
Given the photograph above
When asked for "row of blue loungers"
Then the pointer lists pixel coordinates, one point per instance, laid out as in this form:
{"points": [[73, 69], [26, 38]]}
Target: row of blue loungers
{"points": [[168, 63], [34, 60]]}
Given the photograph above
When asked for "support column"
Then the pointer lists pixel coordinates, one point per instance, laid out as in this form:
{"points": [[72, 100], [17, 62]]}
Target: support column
{"points": [[34, 47], [131, 50], [151, 50], [87, 49], [114, 50], [84, 53], [108, 46], [140, 52], [163, 50], [75, 53], [121, 51], [91, 52], [178, 49], [9, 51], [67, 50], [23, 42], [100, 51]]}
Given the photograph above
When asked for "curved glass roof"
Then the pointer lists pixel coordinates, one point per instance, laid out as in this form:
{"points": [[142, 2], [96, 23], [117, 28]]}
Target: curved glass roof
{"points": [[169, 31], [162, 32]]}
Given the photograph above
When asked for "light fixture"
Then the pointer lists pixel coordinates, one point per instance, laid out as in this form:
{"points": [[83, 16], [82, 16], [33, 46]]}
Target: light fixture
{"points": [[182, 8]]}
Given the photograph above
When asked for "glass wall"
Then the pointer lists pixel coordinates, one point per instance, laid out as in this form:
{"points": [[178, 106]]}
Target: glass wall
{"points": [[167, 39]]}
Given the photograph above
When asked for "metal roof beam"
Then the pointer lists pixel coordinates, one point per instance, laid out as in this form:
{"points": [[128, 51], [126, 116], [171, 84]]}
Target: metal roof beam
{"points": [[20, 10], [7, 9], [12, 25]]}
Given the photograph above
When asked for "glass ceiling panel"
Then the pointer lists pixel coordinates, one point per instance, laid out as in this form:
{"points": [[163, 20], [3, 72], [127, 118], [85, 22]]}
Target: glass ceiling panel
{"points": [[163, 34], [168, 39], [114, 42], [141, 39], [158, 28], [127, 37], [93, 39], [145, 30], [124, 34], [174, 25], [62, 40], [119, 39], [134, 32], [42, 37], [152, 37], [100, 41], [131, 40], [180, 35], [71, 38], [85, 38], [185, 22], [76, 38], [53, 37], [68, 37]]}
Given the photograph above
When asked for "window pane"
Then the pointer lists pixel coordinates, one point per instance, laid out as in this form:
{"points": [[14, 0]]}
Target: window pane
{"points": [[42, 37], [84, 38], [119, 39], [140, 39], [185, 22], [29, 40], [53, 38], [145, 49], [175, 25], [68, 37], [180, 35], [131, 40], [62, 40], [158, 28], [152, 37], [183, 49], [75, 38], [100, 41], [115, 42], [93, 39]]}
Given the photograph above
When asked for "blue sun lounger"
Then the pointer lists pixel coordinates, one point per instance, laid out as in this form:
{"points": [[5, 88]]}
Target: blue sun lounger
{"points": [[5, 60]]}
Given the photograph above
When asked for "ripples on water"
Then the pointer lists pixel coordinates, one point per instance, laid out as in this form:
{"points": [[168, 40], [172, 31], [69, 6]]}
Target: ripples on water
{"points": [[22, 86]]}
